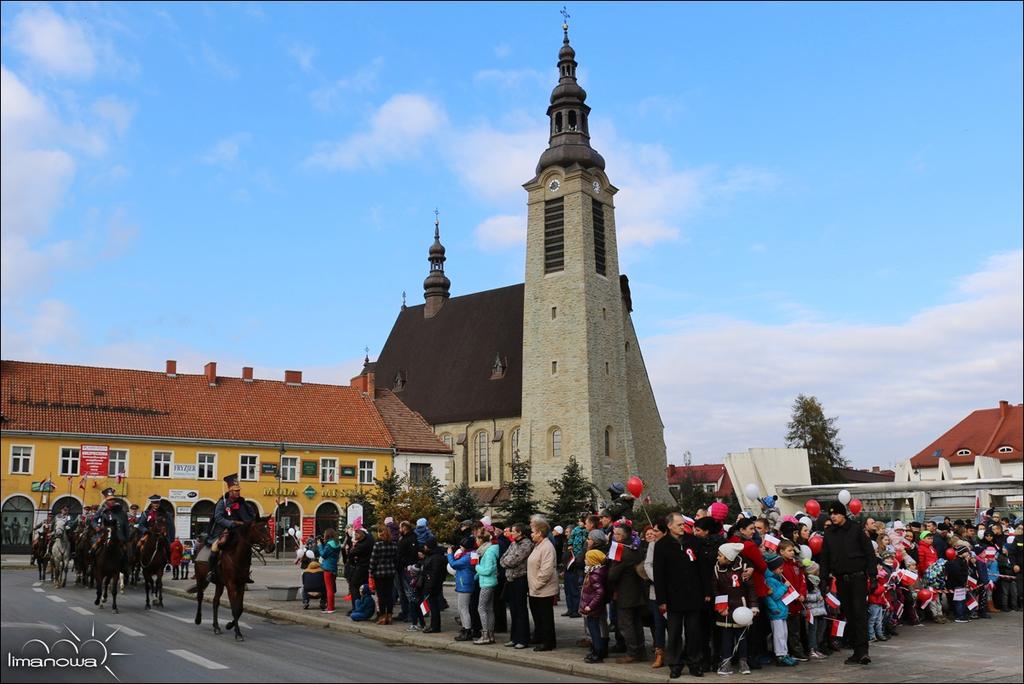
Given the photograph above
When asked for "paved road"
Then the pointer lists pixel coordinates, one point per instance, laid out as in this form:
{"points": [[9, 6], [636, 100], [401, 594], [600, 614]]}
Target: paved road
{"points": [[164, 645]]}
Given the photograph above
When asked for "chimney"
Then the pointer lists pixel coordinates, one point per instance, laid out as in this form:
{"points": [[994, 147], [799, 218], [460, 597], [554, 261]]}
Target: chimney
{"points": [[364, 383], [1004, 408], [293, 377], [172, 368], [247, 373], [876, 469], [210, 370]]}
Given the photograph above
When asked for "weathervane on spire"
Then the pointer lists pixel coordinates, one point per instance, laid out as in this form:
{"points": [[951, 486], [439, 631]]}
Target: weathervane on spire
{"points": [[366, 360], [565, 18], [403, 299], [437, 223]]}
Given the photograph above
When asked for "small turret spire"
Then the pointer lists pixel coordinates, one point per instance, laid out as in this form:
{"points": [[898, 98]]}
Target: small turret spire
{"points": [[437, 286]]}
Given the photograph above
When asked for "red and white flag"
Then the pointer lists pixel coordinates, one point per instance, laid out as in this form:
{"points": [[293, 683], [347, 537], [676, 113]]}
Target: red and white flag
{"points": [[972, 583], [615, 551], [474, 558], [721, 601], [838, 628], [791, 595], [833, 601], [1012, 538], [425, 607], [810, 617], [688, 520], [972, 603], [899, 610], [81, 483], [771, 542], [907, 578]]}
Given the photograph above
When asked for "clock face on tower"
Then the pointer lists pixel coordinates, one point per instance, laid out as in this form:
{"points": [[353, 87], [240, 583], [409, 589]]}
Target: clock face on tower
{"points": [[597, 188], [554, 185]]}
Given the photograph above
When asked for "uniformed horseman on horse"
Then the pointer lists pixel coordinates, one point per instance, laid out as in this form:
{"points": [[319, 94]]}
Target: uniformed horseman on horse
{"points": [[144, 524], [231, 511], [109, 550]]}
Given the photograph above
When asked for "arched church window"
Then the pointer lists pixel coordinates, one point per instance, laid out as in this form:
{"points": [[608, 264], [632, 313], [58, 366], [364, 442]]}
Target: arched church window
{"points": [[556, 443], [558, 122], [515, 443], [572, 120], [481, 457], [607, 441]]}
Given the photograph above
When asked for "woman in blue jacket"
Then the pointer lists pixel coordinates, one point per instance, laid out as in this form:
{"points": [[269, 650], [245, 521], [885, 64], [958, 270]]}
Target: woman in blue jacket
{"points": [[462, 562]]}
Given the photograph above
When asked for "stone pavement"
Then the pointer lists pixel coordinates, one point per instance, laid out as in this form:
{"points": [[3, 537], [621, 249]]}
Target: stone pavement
{"points": [[981, 651]]}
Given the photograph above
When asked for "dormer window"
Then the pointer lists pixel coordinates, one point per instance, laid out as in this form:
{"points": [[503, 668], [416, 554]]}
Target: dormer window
{"points": [[963, 452], [399, 381], [499, 367], [1006, 449]]}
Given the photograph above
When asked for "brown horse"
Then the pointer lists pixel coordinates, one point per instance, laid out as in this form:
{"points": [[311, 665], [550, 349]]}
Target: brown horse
{"points": [[233, 571], [152, 558], [108, 563], [40, 553]]}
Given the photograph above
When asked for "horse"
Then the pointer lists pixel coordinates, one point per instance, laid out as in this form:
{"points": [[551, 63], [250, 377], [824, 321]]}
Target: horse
{"points": [[108, 564], [233, 571], [40, 555], [152, 558], [83, 555], [60, 552]]}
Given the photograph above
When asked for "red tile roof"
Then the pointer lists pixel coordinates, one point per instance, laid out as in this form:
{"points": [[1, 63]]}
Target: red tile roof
{"points": [[410, 431], [982, 432], [709, 473], [49, 397]]}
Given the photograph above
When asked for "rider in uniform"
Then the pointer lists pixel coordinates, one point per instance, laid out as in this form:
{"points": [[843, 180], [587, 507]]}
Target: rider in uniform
{"points": [[231, 511], [133, 515], [111, 512], [41, 534], [63, 521], [148, 517]]}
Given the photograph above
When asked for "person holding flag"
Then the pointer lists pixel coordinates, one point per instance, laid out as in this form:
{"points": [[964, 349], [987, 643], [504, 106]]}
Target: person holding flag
{"points": [[630, 596], [778, 609], [731, 592], [848, 557]]}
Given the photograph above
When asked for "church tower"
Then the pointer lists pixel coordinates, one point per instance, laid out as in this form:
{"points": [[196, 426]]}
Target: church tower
{"points": [[577, 333]]}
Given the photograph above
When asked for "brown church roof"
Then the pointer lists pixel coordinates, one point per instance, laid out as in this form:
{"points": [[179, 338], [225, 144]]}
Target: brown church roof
{"points": [[410, 431], [48, 397], [446, 361]]}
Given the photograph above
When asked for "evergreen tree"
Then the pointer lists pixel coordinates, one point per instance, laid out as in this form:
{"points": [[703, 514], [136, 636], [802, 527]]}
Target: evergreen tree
{"points": [[810, 429], [573, 494], [520, 505], [463, 503], [387, 491]]}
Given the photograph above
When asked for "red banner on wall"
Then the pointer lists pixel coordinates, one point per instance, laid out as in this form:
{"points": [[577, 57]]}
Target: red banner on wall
{"points": [[95, 460], [308, 527]]}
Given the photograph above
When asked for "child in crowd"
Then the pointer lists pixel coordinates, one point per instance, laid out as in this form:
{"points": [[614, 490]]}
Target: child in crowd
{"points": [[956, 581], [415, 575], [794, 575], [593, 604], [876, 608], [817, 625], [365, 606], [935, 579], [730, 584], [778, 612]]}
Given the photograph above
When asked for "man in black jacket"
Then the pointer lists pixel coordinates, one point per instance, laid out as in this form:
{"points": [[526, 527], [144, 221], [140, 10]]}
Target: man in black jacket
{"points": [[407, 553], [708, 532], [630, 594], [435, 570], [848, 556], [682, 588]]}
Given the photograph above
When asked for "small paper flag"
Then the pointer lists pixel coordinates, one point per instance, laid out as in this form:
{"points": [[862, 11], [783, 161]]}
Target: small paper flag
{"points": [[838, 628], [972, 603], [908, 578], [791, 595], [425, 607], [832, 600], [771, 542], [615, 551], [721, 601]]}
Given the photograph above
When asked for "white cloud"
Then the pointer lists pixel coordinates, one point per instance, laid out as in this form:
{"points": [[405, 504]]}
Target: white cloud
{"points": [[116, 113], [396, 132], [894, 388], [122, 233], [495, 163], [303, 55], [500, 232], [53, 43], [225, 151], [332, 97], [508, 79]]}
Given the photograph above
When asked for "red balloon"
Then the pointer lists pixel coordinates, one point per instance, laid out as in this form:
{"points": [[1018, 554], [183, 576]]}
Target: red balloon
{"points": [[950, 553], [855, 506], [816, 542], [813, 508], [924, 595], [635, 486]]}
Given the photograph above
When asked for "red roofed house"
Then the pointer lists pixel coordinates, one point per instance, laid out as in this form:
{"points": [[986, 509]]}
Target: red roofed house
{"points": [[712, 477], [996, 432]]}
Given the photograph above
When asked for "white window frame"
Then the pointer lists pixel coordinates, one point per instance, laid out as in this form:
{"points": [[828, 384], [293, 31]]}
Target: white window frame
{"points": [[31, 458], [556, 450], [255, 468], [124, 472], [363, 471], [963, 452], [77, 461], [170, 465], [199, 466], [294, 468], [333, 468], [1005, 449], [481, 457]]}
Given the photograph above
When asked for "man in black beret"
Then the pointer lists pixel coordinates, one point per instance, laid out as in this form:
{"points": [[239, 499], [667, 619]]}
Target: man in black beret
{"points": [[847, 555]]}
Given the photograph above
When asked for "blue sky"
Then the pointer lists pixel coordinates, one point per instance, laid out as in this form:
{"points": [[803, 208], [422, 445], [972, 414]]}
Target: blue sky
{"points": [[814, 198]]}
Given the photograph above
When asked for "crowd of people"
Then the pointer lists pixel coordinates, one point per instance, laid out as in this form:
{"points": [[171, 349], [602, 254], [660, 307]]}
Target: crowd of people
{"points": [[712, 595]]}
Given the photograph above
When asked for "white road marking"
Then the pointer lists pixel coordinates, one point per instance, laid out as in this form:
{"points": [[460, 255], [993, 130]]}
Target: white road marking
{"points": [[31, 625], [37, 589], [206, 620], [37, 584], [56, 599], [127, 631], [197, 659], [82, 611]]}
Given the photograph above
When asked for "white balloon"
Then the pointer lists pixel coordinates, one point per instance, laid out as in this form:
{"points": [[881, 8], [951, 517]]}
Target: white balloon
{"points": [[806, 522], [805, 552], [844, 497], [742, 616], [751, 491], [309, 553]]}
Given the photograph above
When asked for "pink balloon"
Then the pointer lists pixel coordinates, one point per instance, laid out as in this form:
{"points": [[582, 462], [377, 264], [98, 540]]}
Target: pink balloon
{"points": [[635, 486]]}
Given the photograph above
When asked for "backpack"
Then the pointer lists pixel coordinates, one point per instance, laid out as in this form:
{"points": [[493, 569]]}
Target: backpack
{"points": [[935, 575]]}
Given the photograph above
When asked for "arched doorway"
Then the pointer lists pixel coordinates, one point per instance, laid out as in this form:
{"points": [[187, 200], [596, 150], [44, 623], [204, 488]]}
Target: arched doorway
{"points": [[328, 516], [287, 515], [73, 504], [18, 512], [202, 514]]}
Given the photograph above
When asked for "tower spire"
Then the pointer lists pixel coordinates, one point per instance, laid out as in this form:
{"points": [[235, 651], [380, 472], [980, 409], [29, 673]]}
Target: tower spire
{"points": [[436, 287], [569, 137]]}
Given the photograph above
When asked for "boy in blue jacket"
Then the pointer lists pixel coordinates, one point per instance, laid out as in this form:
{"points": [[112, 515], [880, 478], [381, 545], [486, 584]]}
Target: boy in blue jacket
{"points": [[365, 607], [778, 612]]}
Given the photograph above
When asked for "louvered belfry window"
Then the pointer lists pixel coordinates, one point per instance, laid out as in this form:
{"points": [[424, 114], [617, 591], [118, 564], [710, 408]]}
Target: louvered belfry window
{"points": [[599, 251], [554, 235]]}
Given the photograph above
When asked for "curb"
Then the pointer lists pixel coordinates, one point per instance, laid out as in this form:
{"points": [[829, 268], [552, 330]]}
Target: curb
{"points": [[416, 640]]}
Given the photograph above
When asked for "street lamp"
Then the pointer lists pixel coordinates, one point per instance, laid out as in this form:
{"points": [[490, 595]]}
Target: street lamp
{"points": [[277, 499]]}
